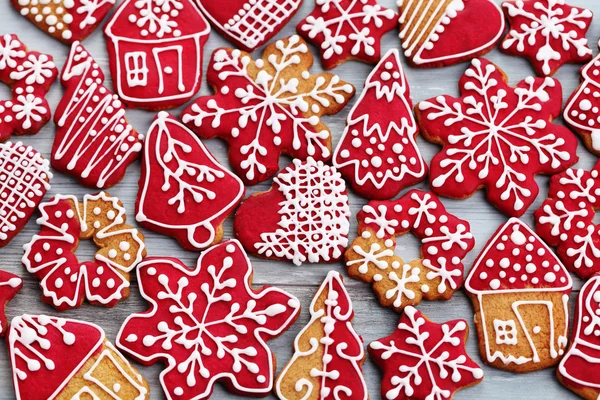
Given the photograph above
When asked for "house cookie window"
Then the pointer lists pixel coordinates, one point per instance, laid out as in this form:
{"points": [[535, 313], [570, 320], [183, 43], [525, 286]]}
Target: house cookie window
{"points": [[137, 71], [506, 332]]}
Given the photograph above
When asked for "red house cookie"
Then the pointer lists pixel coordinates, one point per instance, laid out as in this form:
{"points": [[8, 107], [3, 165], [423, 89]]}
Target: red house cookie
{"points": [[183, 191], [423, 360], [347, 30], [549, 33], [378, 153], [249, 23], [10, 285], [303, 218], [93, 140], [497, 137], [208, 324], [155, 52]]}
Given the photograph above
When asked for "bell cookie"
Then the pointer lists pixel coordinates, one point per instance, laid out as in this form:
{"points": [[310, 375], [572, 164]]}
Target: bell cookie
{"points": [[50, 255], [208, 324], [10, 285], [267, 107], [519, 290]]}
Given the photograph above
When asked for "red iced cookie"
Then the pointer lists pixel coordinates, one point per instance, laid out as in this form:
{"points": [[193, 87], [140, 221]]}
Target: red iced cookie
{"points": [[208, 324], [497, 137], [10, 285], [183, 191], [155, 52]]}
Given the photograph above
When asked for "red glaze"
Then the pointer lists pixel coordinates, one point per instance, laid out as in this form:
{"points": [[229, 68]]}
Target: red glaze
{"points": [[10, 285]]}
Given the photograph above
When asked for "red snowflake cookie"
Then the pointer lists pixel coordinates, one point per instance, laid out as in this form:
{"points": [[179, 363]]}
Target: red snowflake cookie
{"points": [[423, 360], [183, 191], [208, 324], [10, 285], [347, 30], [29, 75], [496, 136], [549, 33], [378, 153]]}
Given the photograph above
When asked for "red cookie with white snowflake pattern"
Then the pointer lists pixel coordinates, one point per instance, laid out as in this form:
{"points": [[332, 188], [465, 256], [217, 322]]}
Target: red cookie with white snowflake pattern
{"points": [[303, 218], [66, 20], [10, 285], [496, 137], [347, 30], [424, 360], [249, 23], [93, 140], [183, 191], [29, 75], [230, 322], [267, 107], [378, 153], [445, 242], [549, 33]]}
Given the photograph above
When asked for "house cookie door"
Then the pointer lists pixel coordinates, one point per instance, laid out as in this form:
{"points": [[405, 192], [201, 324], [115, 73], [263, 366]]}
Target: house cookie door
{"points": [[169, 65], [539, 329]]}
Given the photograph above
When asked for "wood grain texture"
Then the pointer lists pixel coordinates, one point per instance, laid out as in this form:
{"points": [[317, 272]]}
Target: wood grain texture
{"points": [[371, 321]]}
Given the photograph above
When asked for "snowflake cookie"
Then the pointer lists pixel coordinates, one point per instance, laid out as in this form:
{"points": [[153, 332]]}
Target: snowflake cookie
{"points": [[29, 75], [57, 358], [93, 140], [208, 324], [445, 241], [50, 255], [519, 291], [267, 107], [549, 33], [183, 191], [155, 50], [10, 285], [303, 218], [497, 137], [66, 20], [437, 33], [249, 23], [423, 360], [328, 353], [347, 30], [378, 153]]}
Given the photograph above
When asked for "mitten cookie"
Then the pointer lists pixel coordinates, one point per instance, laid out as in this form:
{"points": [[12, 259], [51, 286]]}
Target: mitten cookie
{"points": [[549, 33], [208, 324], [328, 353], [267, 107], [497, 137], [519, 291], [303, 218], [347, 30], [57, 358], [437, 33], [10, 285], [445, 241], [155, 52], [423, 360], [183, 191], [50, 255]]}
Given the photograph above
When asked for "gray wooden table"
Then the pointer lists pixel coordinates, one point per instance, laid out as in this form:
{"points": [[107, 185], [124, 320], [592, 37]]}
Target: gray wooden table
{"points": [[371, 321]]}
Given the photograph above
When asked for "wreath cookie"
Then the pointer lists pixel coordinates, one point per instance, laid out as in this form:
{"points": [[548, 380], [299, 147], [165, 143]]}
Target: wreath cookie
{"points": [[50, 256], [445, 241]]}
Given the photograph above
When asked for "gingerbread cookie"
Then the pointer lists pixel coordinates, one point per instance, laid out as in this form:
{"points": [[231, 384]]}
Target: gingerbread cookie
{"points": [[549, 33], [267, 107], [445, 241], [519, 291], [378, 153], [50, 255], [183, 191], [249, 23], [66, 20], [208, 324], [328, 353], [423, 360], [10, 285], [497, 137], [57, 358], [155, 52], [93, 140], [29, 75], [347, 30], [303, 218], [437, 33]]}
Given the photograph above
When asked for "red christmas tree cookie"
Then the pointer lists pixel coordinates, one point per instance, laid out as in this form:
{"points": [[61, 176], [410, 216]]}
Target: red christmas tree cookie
{"points": [[10, 285]]}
